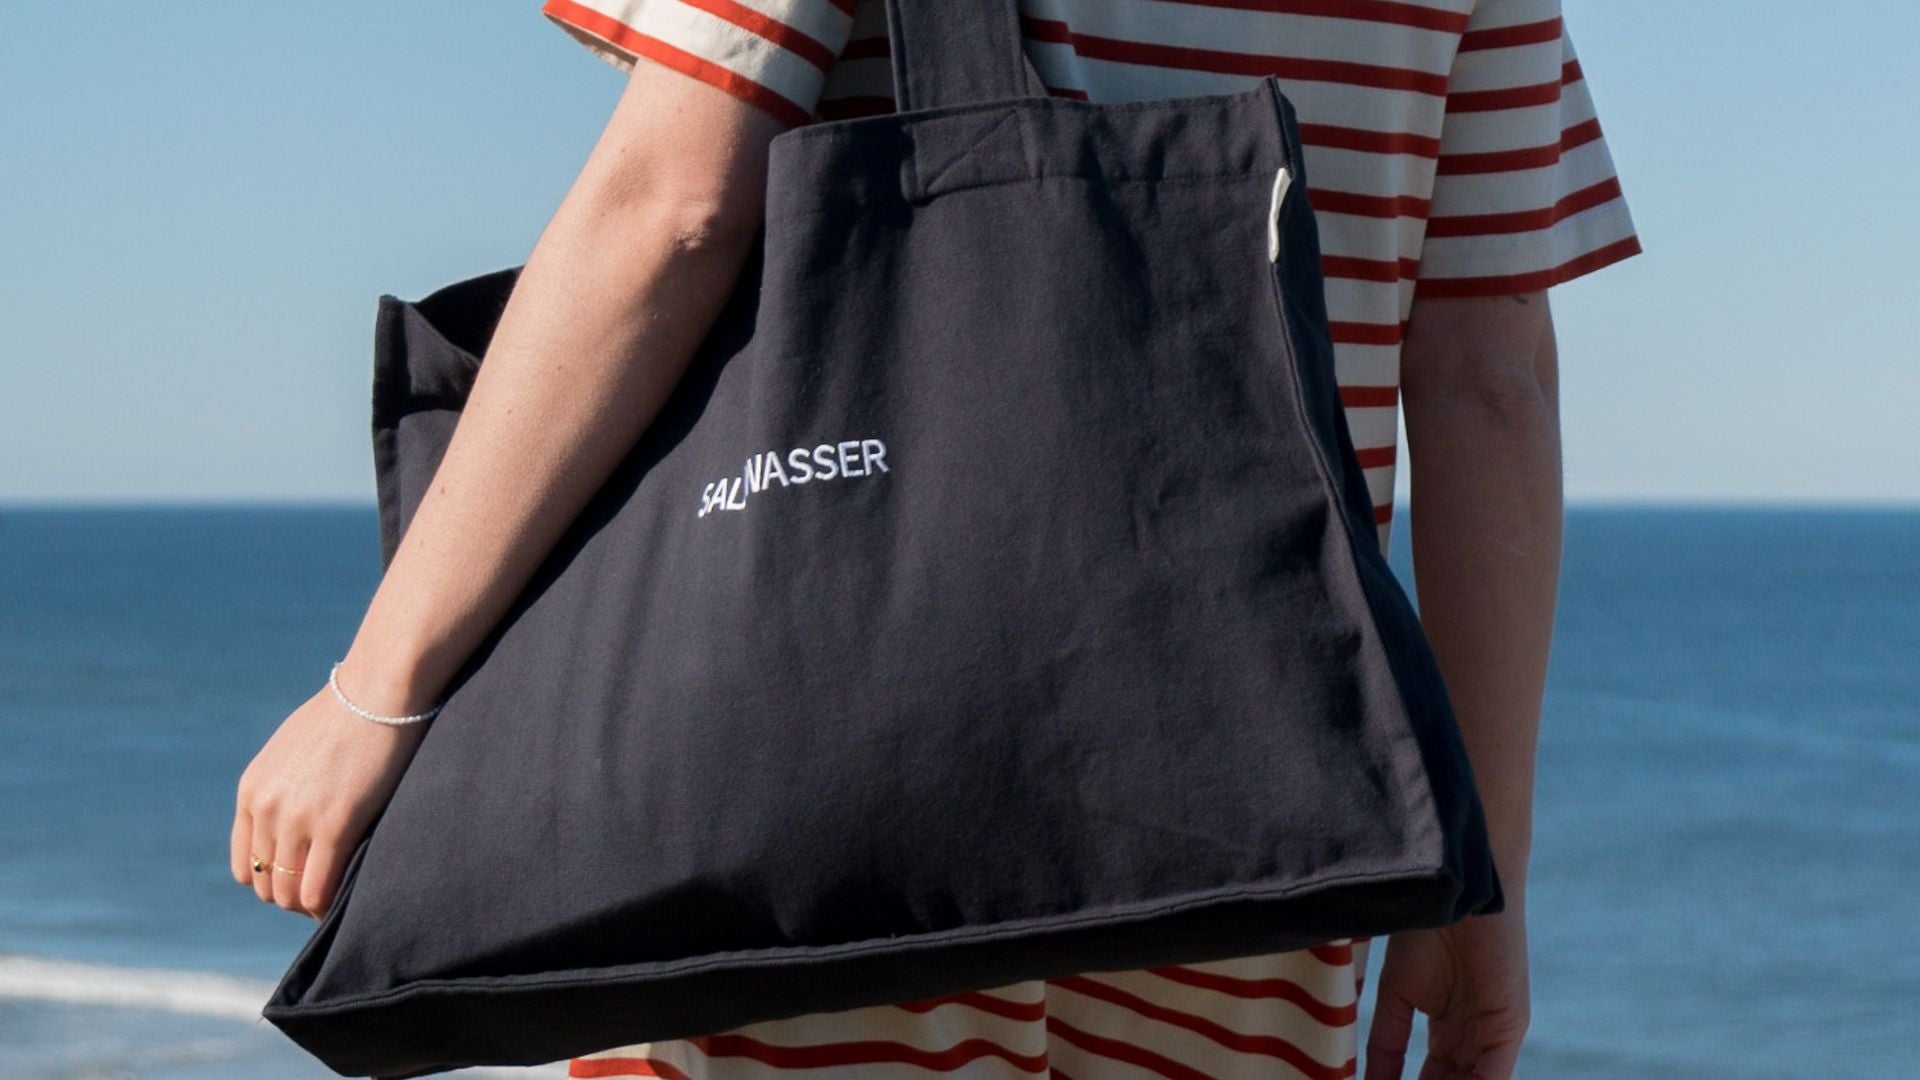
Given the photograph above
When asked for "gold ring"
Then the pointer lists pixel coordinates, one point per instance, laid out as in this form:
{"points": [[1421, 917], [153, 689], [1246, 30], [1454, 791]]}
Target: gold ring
{"points": [[258, 866], [285, 869]]}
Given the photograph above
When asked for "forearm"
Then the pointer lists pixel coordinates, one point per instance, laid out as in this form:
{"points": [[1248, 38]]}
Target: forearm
{"points": [[1483, 436], [600, 326]]}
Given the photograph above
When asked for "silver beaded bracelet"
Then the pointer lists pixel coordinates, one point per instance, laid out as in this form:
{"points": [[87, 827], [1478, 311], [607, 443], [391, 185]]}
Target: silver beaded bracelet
{"points": [[334, 683]]}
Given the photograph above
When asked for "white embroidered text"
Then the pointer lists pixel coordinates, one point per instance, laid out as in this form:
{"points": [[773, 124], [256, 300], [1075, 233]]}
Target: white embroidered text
{"points": [[846, 460]]}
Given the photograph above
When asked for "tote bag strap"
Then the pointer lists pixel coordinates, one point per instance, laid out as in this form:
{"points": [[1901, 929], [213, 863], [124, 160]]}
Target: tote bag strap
{"points": [[957, 52]]}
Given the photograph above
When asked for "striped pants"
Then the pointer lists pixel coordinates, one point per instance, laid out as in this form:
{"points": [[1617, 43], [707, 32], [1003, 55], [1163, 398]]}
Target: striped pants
{"points": [[1280, 1016]]}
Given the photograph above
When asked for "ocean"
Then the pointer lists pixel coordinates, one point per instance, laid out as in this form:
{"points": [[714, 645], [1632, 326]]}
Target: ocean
{"points": [[1726, 872]]}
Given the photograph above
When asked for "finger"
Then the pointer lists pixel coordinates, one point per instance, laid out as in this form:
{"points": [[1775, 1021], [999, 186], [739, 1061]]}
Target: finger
{"points": [[238, 846], [1496, 1063], [261, 848], [1387, 1036], [290, 853], [1449, 1047], [317, 886]]}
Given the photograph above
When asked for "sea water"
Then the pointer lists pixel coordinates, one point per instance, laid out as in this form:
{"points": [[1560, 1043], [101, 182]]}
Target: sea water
{"points": [[1725, 879]]}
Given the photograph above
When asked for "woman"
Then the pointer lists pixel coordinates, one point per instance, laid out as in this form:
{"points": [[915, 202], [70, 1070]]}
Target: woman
{"points": [[1459, 172]]}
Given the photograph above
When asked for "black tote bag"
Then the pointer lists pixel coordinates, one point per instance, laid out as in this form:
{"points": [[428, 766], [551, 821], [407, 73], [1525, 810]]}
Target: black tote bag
{"points": [[997, 598]]}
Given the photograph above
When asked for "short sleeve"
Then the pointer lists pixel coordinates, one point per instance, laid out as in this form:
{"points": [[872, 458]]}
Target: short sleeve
{"points": [[771, 53], [1524, 195]]}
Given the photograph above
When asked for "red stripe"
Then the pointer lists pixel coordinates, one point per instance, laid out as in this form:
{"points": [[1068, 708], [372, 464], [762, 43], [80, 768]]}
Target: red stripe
{"points": [[622, 36], [1373, 142], [1013, 1010], [1121, 1051], [1271, 1046], [1505, 37], [1529, 157], [1257, 989], [1382, 513], [1381, 206], [1386, 271], [1570, 73], [625, 1066], [1524, 220], [1367, 397], [1507, 284], [787, 37], [1364, 333], [864, 1052], [1337, 955], [1511, 97], [1380, 11], [1188, 58], [1374, 457], [844, 5]]}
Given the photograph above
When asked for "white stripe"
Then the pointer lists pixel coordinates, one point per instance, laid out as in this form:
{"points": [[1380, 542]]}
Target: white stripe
{"points": [[1261, 1017], [1079, 1064], [1372, 426], [1379, 484], [1519, 190], [1355, 300], [1506, 69], [1363, 172], [824, 23], [1234, 30], [723, 43], [934, 1031], [1524, 128], [1366, 365], [1493, 14]]}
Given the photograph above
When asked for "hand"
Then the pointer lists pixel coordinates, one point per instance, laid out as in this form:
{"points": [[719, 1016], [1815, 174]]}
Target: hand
{"points": [[1470, 978], [309, 796]]}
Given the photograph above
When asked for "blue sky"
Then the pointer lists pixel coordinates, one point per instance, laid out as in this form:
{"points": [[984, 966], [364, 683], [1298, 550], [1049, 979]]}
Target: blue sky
{"points": [[202, 202]]}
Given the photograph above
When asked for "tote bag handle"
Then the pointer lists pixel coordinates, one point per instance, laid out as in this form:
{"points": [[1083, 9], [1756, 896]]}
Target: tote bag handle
{"points": [[957, 52]]}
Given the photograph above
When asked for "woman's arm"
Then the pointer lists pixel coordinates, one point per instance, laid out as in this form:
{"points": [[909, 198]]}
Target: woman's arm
{"points": [[1480, 384], [621, 287]]}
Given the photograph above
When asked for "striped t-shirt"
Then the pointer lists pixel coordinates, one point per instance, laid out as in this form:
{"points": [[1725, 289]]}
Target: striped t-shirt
{"points": [[1453, 151], [1452, 145]]}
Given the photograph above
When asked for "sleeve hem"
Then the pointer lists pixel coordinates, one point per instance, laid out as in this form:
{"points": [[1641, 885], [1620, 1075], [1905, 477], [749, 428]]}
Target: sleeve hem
{"points": [[622, 45], [1507, 284]]}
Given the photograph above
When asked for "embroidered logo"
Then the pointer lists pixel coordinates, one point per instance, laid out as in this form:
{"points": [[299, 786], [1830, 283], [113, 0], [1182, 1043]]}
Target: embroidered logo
{"points": [[846, 460]]}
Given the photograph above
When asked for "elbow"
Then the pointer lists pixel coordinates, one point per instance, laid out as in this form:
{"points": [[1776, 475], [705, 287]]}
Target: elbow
{"points": [[693, 226], [1491, 392], [681, 220]]}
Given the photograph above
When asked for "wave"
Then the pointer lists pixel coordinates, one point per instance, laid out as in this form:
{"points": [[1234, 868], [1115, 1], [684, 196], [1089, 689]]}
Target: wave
{"points": [[171, 990], [195, 993]]}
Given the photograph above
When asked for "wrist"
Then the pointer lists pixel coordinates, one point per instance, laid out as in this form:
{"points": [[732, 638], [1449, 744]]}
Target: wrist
{"points": [[1511, 867], [391, 682]]}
